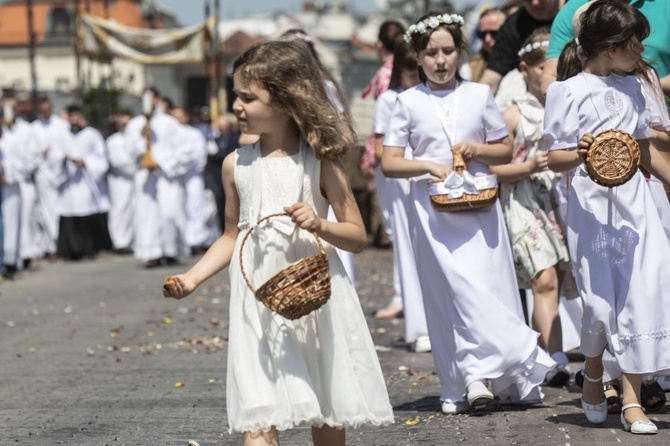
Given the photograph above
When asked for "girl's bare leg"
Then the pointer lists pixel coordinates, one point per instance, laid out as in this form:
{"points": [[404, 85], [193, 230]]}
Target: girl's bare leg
{"points": [[260, 438], [328, 436], [545, 310], [592, 393], [631, 385]]}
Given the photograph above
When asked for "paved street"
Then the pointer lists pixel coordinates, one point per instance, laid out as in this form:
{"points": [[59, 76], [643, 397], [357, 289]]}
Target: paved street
{"points": [[92, 354]]}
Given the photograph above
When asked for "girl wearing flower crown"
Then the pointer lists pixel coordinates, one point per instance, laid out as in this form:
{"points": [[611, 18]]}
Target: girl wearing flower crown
{"points": [[474, 315], [615, 235]]}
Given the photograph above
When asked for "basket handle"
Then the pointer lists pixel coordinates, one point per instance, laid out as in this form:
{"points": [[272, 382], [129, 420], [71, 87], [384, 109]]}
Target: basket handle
{"points": [[244, 240], [458, 164]]}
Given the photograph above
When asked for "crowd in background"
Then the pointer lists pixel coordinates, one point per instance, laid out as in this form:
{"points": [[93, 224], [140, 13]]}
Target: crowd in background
{"points": [[69, 193]]}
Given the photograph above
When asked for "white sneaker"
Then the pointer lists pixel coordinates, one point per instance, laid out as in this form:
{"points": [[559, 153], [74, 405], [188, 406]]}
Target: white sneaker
{"points": [[478, 394], [455, 408], [422, 344]]}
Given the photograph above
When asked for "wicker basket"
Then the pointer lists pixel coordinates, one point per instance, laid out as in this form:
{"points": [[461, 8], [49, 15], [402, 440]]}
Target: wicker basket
{"points": [[298, 289], [613, 158], [465, 202]]}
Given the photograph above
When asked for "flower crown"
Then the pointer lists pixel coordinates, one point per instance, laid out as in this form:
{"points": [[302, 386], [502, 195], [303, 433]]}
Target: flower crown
{"points": [[433, 22], [532, 47]]}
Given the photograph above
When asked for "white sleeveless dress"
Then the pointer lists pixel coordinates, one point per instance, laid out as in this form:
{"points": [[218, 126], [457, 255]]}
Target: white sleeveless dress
{"points": [[319, 369]]}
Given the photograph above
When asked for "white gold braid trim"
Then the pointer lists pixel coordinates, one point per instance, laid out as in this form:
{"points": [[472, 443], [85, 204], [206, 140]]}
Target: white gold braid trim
{"points": [[532, 47], [433, 22]]}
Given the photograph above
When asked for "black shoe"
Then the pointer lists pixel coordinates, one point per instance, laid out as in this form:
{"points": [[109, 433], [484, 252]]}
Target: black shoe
{"points": [[171, 261], [154, 263]]}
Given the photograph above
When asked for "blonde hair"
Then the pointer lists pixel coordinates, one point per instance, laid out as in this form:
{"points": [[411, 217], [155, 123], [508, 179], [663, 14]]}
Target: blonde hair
{"points": [[296, 82], [534, 48]]}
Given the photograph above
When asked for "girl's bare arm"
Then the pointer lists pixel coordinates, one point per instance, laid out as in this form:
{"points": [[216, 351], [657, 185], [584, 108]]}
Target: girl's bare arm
{"points": [[218, 256], [394, 165]]}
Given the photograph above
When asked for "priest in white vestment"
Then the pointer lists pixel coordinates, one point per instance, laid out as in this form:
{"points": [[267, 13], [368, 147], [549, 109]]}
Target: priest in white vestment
{"points": [[51, 131], [193, 148], [83, 203], [159, 207], [121, 186], [21, 146]]}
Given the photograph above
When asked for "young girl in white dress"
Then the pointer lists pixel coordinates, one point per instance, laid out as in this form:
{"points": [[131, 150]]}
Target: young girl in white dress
{"points": [[475, 321], [320, 370], [393, 196], [531, 208], [615, 236]]}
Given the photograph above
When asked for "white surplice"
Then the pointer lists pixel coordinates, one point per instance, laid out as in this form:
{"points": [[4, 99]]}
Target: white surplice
{"points": [[160, 218], [121, 185], [193, 149], [26, 143], [16, 171], [82, 190], [53, 132]]}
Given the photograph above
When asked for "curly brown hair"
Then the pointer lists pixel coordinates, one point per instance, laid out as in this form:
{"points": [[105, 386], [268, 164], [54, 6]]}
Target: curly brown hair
{"points": [[297, 83]]}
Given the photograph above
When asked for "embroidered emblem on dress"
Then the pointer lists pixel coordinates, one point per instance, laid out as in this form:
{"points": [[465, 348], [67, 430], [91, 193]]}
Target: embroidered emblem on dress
{"points": [[613, 102]]}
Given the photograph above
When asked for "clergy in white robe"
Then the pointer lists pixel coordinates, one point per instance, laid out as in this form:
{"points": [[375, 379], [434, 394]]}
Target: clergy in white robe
{"points": [[14, 172], [121, 186], [51, 131], [82, 194], [159, 207], [193, 149]]}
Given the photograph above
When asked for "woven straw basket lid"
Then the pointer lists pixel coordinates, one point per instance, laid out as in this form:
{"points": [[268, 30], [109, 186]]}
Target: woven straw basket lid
{"points": [[296, 290], [613, 158]]}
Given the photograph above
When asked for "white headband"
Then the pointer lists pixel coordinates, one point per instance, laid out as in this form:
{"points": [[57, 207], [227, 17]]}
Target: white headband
{"points": [[433, 22], [532, 47]]}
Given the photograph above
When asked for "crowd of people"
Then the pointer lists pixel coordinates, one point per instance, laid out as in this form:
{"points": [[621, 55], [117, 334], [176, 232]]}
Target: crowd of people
{"points": [[152, 188], [507, 130]]}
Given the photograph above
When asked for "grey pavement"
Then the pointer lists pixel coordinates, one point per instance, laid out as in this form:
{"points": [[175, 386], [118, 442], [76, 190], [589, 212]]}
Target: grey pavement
{"points": [[92, 354]]}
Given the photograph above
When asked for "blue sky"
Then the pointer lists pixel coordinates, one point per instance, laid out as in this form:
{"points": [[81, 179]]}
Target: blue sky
{"points": [[192, 11]]}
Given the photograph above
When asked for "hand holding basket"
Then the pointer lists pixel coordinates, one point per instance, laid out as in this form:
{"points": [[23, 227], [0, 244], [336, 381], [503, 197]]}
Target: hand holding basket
{"points": [[461, 191], [296, 290]]}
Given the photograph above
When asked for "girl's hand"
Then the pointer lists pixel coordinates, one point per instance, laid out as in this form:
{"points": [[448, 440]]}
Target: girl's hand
{"points": [[468, 150], [584, 144], [438, 170], [304, 216], [539, 162], [178, 287]]}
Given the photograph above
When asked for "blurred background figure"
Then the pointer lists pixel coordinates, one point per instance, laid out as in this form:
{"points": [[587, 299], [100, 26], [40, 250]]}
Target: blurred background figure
{"points": [[159, 207], [490, 21], [193, 151], [83, 202], [51, 131], [121, 183], [226, 140]]}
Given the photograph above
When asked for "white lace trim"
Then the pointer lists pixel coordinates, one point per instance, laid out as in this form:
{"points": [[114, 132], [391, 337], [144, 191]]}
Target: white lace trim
{"points": [[644, 336]]}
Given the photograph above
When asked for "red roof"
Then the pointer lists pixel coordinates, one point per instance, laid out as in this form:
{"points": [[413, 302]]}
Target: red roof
{"points": [[14, 17]]}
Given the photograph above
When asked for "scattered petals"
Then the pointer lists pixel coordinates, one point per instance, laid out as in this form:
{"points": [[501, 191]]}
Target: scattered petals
{"points": [[179, 384]]}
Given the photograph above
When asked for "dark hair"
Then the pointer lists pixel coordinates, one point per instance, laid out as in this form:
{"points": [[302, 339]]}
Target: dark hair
{"points": [[403, 59], [73, 108], [391, 35], [43, 99], [154, 90], [605, 26], [419, 42]]}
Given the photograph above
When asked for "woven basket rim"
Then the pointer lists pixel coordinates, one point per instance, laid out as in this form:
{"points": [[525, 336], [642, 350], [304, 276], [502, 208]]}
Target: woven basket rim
{"points": [[634, 152]]}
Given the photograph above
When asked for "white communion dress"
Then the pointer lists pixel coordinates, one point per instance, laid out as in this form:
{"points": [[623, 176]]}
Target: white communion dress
{"points": [[616, 238], [319, 369]]}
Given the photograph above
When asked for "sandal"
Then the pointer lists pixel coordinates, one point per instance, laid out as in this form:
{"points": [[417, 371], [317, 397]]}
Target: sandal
{"points": [[648, 392], [613, 401]]}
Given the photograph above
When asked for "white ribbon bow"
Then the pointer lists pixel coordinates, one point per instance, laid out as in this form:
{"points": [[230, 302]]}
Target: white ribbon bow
{"points": [[283, 224], [455, 185]]}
